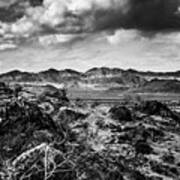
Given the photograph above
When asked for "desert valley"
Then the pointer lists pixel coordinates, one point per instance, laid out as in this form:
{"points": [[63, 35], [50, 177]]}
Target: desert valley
{"points": [[105, 124]]}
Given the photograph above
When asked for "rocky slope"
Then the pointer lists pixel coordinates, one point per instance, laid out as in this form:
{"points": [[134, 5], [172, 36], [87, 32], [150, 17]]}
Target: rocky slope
{"points": [[51, 138]]}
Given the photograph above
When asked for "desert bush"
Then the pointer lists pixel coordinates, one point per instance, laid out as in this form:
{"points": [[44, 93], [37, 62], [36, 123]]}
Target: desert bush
{"points": [[66, 144]]}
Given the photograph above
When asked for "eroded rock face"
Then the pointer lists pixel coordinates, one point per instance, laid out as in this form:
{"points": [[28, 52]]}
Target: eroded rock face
{"points": [[25, 126], [51, 99], [68, 115], [50, 93], [70, 143], [28, 135]]}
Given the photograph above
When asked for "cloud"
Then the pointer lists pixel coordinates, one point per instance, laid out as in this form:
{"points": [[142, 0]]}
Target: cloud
{"points": [[7, 46], [124, 36], [77, 16], [23, 27], [6, 3], [47, 40], [154, 14], [159, 53]]}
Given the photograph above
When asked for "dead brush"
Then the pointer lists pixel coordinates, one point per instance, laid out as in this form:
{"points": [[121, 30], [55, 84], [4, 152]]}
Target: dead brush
{"points": [[42, 160]]}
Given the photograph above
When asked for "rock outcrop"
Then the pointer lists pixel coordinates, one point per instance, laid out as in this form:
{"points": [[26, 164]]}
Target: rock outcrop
{"points": [[70, 142], [120, 113]]}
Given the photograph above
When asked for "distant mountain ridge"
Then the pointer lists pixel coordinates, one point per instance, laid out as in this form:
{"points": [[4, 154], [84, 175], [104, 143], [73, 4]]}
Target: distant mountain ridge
{"points": [[101, 77], [95, 75]]}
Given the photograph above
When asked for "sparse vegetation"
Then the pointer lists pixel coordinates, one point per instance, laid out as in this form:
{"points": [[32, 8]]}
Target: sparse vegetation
{"points": [[44, 137]]}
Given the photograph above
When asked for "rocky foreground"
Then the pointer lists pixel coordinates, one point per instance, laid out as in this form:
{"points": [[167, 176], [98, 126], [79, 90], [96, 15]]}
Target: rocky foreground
{"points": [[43, 136]]}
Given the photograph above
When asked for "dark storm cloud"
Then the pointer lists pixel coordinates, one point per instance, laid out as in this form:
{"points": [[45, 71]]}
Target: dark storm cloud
{"points": [[143, 14], [12, 10], [155, 13], [76, 16]]}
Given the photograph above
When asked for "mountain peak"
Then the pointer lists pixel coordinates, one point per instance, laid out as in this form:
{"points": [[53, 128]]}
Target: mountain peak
{"points": [[103, 71], [71, 71], [49, 71]]}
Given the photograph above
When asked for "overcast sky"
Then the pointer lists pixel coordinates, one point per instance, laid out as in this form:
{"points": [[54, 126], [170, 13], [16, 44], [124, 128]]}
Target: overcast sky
{"points": [[79, 34]]}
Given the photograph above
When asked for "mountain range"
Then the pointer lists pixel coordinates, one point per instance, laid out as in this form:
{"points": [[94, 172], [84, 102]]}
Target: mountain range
{"points": [[100, 78]]}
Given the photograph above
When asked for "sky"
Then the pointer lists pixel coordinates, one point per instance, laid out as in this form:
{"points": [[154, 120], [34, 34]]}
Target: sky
{"points": [[139, 34]]}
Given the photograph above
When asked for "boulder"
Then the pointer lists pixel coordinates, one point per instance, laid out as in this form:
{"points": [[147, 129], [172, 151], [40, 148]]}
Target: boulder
{"points": [[56, 96], [120, 113], [143, 147], [115, 175], [156, 108], [68, 115]]}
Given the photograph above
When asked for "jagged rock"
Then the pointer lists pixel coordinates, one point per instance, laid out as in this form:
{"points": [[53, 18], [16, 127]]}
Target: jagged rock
{"points": [[48, 122], [68, 115], [47, 107], [54, 95], [164, 169], [5, 90], [143, 148], [23, 127], [147, 133], [155, 178], [36, 2], [120, 113], [115, 175], [136, 175], [153, 133], [156, 108], [168, 158]]}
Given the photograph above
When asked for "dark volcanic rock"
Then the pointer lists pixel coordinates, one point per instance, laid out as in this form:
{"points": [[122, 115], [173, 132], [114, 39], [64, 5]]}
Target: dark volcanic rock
{"points": [[143, 148], [46, 135], [55, 96], [153, 134], [36, 2], [114, 175], [25, 126], [120, 113], [136, 175], [164, 169], [68, 115], [168, 158], [157, 108]]}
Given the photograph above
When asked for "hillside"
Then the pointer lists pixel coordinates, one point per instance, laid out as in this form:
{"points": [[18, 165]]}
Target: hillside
{"points": [[99, 79], [165, 86], [53, 138]]}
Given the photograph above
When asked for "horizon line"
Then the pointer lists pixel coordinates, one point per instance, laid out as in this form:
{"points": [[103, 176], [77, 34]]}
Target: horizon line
{"points": [[96, 67]]}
